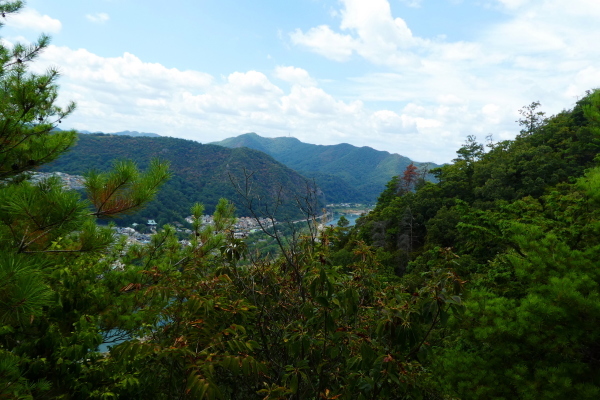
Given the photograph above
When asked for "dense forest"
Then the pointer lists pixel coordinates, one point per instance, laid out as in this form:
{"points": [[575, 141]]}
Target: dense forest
{"points": [[200, 173], [518, 224], [483, 284], [345, 173]]}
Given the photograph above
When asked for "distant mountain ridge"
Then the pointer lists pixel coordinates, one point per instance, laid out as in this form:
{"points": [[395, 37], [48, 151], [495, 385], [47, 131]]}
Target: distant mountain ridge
{"points": [[201, 173], [343, 171], [124, 133]]}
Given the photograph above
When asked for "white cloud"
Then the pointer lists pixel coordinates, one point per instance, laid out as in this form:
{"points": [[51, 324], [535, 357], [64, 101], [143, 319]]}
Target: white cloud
{"points": [[98, 18], [492, 113], [120, 93], [536, 36], [252, 82], [412, 3], [390, 122], [125, 92], [123, 73], [513, 4], [294, 75], [29, 18], [10, 42], [324, 41], [316, 103], [422, 98], [540, 50], [372, 33]]}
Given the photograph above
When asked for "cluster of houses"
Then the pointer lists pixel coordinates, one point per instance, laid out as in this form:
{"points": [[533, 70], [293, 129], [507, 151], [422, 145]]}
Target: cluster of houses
{"points": [[75, 182], [246, 225], [242, 227], [132, 235], [345, 205]]}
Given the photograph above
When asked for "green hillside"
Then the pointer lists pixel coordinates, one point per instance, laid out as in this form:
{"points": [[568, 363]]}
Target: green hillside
{"points": [[201, 173], [519, 224], [123, 133], [344, 172], [482, 285]]}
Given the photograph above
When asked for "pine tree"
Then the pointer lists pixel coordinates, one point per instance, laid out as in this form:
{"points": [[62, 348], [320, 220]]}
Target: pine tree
{"points": [[51, 249]]}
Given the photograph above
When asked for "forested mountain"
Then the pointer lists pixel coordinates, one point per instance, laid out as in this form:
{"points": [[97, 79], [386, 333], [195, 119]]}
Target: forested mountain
{"points": [[201, 173], [519, 224], [482, 285], [344, 172], [126, 133], [120, 133]]}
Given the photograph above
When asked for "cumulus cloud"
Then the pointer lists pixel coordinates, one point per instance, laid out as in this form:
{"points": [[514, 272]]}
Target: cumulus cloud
{"points": [[367, 29], [294, 75], [390, 122], [324, 41], [316, 103], [98, 18], [427, 95], [126, 93], [512, 4], [412, 3], [549, 35], [252, 82], [120, 93], [449, 89], [29, 18]]}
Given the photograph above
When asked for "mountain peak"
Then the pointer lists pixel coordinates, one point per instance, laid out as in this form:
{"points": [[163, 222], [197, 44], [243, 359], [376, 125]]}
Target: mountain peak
{"points": [[362, 171]]}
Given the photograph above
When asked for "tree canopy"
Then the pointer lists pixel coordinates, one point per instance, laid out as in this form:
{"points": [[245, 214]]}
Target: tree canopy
{"points": [[521, 221], [483, 284]]}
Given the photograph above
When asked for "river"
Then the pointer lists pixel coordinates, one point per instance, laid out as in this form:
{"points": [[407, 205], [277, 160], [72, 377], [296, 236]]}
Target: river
{"points": [[350, 217]]}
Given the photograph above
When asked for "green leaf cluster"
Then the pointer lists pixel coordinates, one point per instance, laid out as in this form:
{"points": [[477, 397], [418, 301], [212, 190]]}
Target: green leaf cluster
{"points": [[481, 285], [521, 219], [200, 174]]}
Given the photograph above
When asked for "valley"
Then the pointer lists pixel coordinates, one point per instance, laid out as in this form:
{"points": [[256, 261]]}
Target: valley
{"points": [[344, 172], [137, 266]]}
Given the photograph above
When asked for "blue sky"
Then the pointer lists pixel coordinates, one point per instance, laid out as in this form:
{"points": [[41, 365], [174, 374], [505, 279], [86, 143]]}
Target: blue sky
{"points": [[413, 77]]}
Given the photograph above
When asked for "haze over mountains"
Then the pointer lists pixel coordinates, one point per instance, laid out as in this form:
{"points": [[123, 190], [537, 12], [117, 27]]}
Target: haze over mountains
{"points": [[344, 172]]}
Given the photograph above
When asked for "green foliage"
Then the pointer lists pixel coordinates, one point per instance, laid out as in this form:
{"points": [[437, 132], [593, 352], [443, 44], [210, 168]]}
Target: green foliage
{"points": [[521, 220], [344, 172], [533, 344], [53, 256], [123, 190], [379, 311], [200, 173], [531, 119], [343, 222], [28, 110], [34, 217], [558, 149], [23, 293]]}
